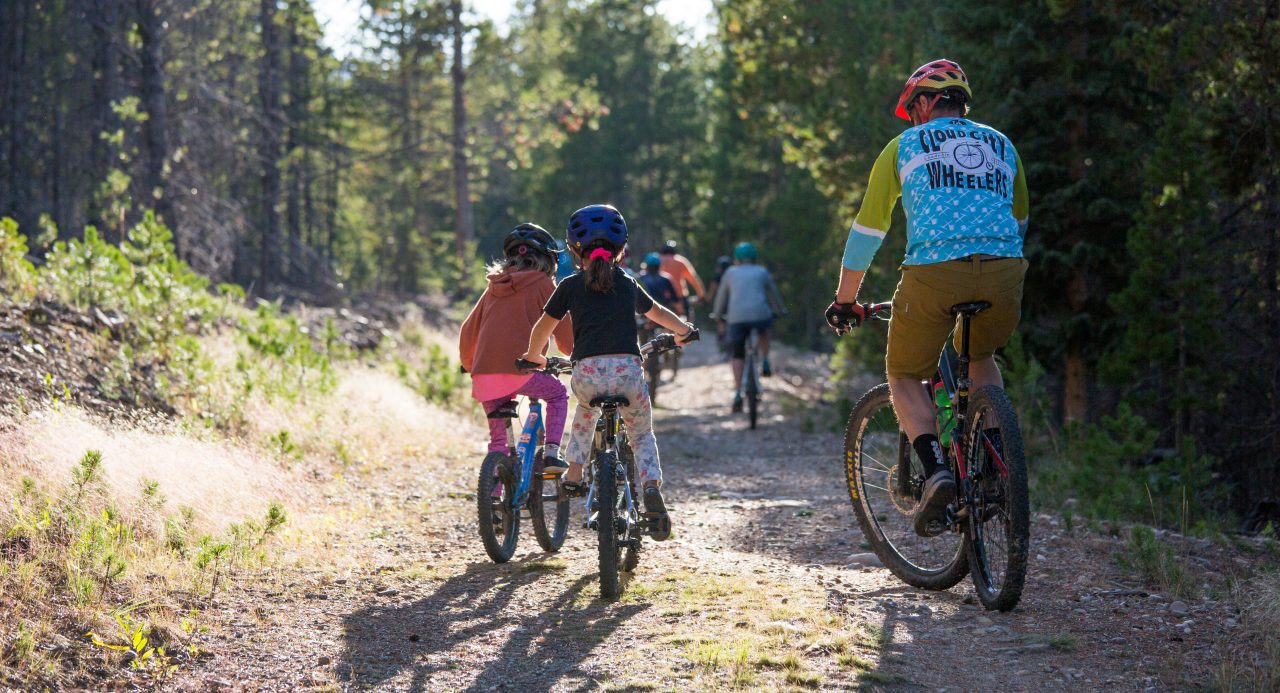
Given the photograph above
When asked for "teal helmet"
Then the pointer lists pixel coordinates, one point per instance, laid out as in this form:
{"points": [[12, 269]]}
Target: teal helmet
{"points": [[652, 261], [744, 251]]}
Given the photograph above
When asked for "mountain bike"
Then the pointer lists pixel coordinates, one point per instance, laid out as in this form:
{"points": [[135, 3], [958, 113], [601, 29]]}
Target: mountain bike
{"points": [[986, 530], [612, 495], [512, 481]]}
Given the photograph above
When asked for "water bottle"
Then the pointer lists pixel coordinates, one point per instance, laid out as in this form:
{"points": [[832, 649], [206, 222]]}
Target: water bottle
{"points": [[946, 416]]}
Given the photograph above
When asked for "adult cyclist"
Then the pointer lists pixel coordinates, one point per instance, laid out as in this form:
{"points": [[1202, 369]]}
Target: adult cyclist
{"points": [[682, 273], [964, 191], [746, 301]]}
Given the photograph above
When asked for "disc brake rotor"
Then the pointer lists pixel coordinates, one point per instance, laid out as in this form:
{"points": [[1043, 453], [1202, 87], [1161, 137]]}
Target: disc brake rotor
{"points": [[905, 505]]}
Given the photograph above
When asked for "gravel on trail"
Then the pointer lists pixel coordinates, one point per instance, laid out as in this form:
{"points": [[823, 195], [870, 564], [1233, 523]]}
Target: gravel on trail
{"points": [[767, 583]]}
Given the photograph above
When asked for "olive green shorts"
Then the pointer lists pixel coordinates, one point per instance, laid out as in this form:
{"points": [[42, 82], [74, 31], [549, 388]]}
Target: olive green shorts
{"points": [[922, 316]]}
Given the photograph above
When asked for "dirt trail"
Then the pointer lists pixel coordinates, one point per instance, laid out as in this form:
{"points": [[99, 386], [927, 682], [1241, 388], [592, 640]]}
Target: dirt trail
{"points": [[754, 591]]}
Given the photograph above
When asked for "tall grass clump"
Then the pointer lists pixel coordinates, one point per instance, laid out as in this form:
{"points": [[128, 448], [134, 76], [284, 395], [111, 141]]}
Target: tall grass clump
{"points": [[88, 575]]}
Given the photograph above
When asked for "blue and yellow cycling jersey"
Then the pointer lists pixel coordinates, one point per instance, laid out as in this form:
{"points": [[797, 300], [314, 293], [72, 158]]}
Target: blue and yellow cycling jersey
{"points": [[963, 190]]}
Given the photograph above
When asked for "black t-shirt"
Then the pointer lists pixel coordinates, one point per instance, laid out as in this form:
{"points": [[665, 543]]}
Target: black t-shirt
{"points": [[602, 323]]}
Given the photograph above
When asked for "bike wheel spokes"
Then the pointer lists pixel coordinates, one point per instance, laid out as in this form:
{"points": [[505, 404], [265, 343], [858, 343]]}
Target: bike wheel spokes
{"points": [[999, 521], [873, 445]]}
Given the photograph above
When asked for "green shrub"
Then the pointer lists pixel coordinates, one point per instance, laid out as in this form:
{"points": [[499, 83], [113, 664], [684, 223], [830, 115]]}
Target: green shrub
{"points": [[17, 275], [1155, 562]]}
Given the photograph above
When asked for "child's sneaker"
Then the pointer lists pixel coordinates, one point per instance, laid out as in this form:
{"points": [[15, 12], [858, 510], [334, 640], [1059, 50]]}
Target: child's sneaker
{"points": [[554, 465], [766, 369], [655, 510]]}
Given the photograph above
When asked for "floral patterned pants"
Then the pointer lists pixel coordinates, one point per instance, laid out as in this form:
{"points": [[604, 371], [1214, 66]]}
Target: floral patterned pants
{"points": [[614, 375]]}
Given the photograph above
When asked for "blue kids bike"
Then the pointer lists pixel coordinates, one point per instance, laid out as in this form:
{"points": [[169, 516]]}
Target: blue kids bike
{"points": [[513, 482]]}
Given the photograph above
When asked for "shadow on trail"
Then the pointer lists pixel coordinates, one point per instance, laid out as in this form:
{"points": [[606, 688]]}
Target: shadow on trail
{"points": [[488, 619]]}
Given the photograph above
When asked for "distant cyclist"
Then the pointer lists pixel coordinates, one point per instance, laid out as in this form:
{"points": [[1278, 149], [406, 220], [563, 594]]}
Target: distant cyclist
{"points": [[723, 263], [656, 282], [682, 273], [747, 301], [964, 192]]}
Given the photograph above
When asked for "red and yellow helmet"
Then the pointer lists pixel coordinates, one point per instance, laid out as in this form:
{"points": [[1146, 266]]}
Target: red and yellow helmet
{"points": [[935, 75]]}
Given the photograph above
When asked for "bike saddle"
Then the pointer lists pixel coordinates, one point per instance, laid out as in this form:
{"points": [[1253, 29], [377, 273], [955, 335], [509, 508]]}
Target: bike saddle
{"points": [[610, 401], [970, 308], [506, 411]]}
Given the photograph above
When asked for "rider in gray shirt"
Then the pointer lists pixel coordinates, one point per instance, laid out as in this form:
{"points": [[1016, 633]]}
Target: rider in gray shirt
{"points": [[747, 300]]}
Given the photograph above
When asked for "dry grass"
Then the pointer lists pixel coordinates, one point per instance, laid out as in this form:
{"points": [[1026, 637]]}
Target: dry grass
{"points": [[1252, 661], [760, 634], [91, 574]]}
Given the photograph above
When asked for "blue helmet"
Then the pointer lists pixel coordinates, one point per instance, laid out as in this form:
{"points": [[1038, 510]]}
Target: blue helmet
{"points": [[652, 261], [601, 225], [744, 251]]}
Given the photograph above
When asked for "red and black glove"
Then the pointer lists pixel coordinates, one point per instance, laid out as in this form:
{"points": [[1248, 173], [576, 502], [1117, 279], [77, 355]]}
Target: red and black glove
{"points": [[844, 316]]}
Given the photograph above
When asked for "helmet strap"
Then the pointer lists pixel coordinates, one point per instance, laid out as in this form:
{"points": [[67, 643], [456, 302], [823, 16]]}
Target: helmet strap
{"points": [[919, 115]]}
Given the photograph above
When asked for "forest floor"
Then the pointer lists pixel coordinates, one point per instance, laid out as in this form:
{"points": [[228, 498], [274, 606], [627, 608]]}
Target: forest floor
{"points": [[766, 583]]}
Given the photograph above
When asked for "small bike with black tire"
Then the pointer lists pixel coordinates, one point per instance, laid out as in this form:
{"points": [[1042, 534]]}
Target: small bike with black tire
{"points": [[512, 481], [613, 509], [986, 531]]}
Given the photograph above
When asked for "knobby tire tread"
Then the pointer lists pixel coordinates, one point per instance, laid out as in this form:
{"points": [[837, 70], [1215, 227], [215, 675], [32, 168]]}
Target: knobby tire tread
{"points": [[608, 538], [946, 577], [499, 550], [1004, 597]]}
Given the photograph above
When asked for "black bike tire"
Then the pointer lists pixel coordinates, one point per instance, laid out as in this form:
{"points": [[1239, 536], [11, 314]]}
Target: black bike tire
{"points": [[943, 578], [499, 550], [631, 557], [1006, 596], [551, 538], [607, 495], [753, 397]]}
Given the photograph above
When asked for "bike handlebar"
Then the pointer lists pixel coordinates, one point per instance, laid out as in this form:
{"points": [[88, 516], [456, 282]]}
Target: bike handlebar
{"points": [[665, 342], [870, 310], [555, 366]]}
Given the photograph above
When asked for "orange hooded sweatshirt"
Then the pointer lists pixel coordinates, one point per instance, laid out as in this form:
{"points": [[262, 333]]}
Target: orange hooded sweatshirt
{"points": [[496, 332]]}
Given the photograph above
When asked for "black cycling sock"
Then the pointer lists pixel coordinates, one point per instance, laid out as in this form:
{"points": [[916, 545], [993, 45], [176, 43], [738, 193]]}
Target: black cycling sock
{"points": [[930, 452]]}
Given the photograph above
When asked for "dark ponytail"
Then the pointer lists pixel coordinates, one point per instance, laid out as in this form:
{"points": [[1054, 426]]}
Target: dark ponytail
{"points": [[598, 270]]}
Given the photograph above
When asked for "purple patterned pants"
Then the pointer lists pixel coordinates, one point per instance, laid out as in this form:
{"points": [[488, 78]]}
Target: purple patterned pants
{"points": [[541, 386]]}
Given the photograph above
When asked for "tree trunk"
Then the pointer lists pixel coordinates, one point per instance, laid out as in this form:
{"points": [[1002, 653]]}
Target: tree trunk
{"points": [[20, 85], [105, 17], [296, 117], [151, 30], [465, 222], [269, 91], [1075, 391]]}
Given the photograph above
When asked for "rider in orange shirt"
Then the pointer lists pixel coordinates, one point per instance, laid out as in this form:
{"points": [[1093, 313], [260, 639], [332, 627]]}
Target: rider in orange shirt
{"points": [[681, 271]]}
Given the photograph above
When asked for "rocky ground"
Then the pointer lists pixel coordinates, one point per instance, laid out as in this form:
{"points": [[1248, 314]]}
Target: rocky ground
{"points": [[766, 584]]}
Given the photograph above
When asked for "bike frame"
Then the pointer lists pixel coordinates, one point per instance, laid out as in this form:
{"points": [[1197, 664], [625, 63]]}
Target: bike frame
{"points": [[959, 393], [525, 451], [610, 422]]}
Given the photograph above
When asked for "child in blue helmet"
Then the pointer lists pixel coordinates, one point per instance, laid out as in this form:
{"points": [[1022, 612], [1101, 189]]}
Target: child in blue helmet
{"points": [[603, 302]]}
